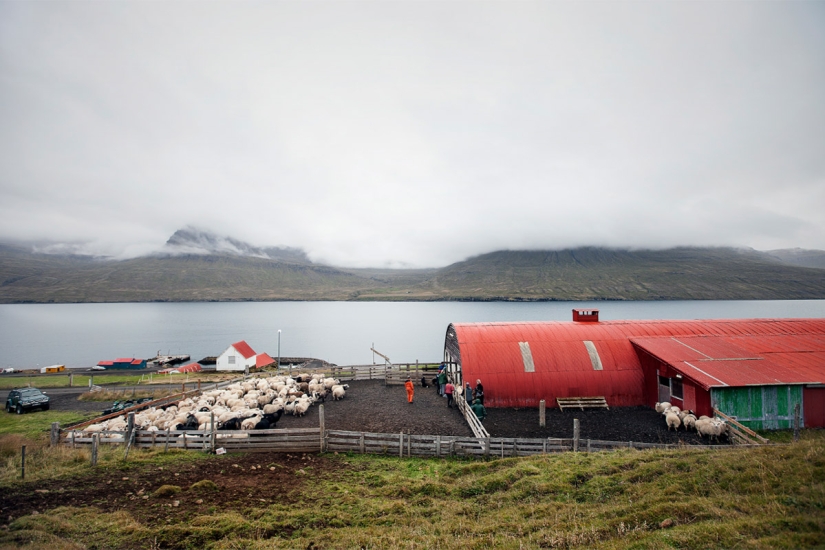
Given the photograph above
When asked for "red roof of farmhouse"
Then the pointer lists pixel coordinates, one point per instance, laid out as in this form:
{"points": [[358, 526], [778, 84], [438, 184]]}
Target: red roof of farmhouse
{"points": [[243, 348]]}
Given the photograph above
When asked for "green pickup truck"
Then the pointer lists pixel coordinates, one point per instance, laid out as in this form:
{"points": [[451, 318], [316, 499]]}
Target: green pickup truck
{"points": [[26, 399]]}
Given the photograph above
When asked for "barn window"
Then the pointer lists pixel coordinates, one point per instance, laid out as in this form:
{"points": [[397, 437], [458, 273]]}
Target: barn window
{"points": [[676, 388], [595, 360], [231, 359], [527, 357]]}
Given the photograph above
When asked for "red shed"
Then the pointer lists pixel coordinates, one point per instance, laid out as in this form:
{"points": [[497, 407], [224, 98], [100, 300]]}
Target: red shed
{"points": [[522, 363]]}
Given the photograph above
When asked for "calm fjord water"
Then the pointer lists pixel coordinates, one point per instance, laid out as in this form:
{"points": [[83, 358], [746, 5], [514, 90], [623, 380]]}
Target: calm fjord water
{"points": [[80, 335]]}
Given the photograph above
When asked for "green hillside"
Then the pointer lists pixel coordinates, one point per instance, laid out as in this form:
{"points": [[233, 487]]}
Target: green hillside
{"points": [[605, 274]]}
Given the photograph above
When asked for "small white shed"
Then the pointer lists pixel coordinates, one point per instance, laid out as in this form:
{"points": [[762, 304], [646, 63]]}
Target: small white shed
{"points": [[237, 357]]}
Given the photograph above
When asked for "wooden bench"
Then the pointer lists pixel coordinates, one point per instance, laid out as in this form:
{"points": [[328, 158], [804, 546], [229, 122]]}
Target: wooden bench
{"points": [[582, 402]]}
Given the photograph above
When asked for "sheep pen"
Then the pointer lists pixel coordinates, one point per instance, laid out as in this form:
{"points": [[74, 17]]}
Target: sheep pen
{"points": [[372, 406]]}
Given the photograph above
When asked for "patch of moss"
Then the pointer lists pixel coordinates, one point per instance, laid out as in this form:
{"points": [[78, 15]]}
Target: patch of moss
{"points": [[166, 491], [204, 485]]}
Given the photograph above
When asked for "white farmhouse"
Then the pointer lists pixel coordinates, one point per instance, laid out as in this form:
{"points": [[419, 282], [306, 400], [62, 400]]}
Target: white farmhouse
{"points": [[239, 356]]}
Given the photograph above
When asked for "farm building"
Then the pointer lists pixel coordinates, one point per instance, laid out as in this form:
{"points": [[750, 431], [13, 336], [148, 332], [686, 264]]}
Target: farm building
{"points": [[123, 363], [755, 370], [240, 356], [52, 368]]}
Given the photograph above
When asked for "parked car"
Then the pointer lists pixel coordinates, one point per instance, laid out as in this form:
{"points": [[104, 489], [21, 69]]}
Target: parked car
{"points": [[26, 399], [8, 371]]}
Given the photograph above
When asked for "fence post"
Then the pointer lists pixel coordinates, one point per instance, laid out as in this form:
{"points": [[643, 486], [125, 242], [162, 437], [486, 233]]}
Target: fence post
{"points": [[542, 422], [401, 445], [487, 447], [95, 443], [438, 445], [71, 379], [323, 431], [588, 445], [166, 445], [575, 435], [796, 422], [91, 380], [409, 445], [130, 424], [55, 435], [213, 437], [361, 443], [23, 463]]}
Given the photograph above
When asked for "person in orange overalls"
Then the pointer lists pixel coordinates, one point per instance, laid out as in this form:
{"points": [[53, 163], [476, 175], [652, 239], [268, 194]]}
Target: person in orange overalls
{"points": [[410, 390]]}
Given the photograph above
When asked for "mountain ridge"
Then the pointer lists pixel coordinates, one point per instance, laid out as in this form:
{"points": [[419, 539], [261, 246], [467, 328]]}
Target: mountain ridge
{"points": [[198, 266]]}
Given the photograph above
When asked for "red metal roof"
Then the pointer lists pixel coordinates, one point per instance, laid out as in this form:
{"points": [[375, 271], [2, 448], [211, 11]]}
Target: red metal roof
{"points": [[125, 360], [262, 360], [715, 361], [243, 348], [563, 367], [105, 363]]}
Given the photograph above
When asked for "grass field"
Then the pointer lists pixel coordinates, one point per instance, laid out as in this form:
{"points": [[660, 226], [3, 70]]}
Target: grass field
{"points": [[8, 382], [767, 497]]}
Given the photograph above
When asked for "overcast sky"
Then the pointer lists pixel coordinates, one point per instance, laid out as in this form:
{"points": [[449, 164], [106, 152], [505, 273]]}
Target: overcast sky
{"points": [[413, 133]]}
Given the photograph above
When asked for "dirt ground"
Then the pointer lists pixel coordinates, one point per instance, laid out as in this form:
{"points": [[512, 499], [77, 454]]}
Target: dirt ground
{"points": [[237, 479]]}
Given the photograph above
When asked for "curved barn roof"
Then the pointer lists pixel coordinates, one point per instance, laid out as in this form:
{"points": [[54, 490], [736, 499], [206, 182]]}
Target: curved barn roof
{"points": [[522, 363]]}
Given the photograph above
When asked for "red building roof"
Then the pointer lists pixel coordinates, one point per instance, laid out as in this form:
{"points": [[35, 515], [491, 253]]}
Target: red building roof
{"points": [[243, 348], [263, 360], [598, 358], [105, 363], [714, 361]]}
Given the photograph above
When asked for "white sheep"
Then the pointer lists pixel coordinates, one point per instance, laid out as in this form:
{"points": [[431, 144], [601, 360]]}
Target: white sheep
{"points": [[673, 421], [661, 407], [339, 391]]}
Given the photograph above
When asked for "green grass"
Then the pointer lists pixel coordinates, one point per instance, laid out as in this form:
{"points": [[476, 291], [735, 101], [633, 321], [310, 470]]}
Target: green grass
{"points": [[37, 423], [768, 497], [80, 380]]}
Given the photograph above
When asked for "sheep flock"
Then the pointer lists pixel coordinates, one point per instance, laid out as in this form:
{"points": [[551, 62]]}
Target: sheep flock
{"points": [[705, 426], [254, 404]]}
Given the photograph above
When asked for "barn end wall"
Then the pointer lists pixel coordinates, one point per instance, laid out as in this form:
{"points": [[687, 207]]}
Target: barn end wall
{"points": [[813, 399]]}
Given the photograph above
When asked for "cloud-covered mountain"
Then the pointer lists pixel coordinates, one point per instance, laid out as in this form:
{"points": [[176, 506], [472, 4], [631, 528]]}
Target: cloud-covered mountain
{"points": [[191, 240]]}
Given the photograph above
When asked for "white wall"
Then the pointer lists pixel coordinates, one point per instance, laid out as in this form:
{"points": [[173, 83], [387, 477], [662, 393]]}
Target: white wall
{"points": [[240, 362]]}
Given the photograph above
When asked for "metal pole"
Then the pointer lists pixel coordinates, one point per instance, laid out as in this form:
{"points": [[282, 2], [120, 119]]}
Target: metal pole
{"points": [[279, 348]]}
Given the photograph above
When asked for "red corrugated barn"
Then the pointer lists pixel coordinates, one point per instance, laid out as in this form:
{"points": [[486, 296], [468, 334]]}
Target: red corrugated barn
{"points": [[753, 369]]}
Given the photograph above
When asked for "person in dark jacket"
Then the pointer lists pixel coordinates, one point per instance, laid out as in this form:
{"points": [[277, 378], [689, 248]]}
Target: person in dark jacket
{"points": [[468, 394], [479, 410], [479, 392]]}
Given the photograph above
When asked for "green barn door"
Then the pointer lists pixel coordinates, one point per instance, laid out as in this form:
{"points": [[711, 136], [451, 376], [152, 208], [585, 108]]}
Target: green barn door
{"points": [[770, 411]]}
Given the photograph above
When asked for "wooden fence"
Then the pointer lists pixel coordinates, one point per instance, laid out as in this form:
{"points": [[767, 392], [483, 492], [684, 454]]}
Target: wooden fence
{"points": [[313, 440], [310, 440]]}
